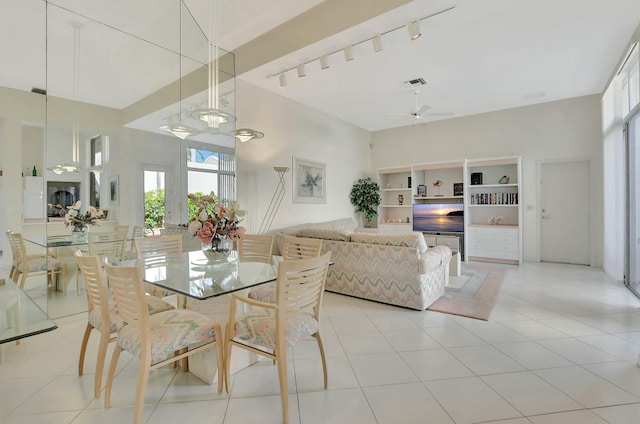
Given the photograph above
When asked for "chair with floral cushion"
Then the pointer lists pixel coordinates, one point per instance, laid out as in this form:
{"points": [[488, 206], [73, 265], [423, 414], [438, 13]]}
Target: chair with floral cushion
{"points": [[255, 248], [293, 248], [101, 313], [107, 244], [269, 328], [157, 339], [158, 247], [32, 265]]}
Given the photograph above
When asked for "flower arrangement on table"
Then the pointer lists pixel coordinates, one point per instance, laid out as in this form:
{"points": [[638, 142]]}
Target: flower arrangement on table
{"points": [[79, 222], [215, 224]]}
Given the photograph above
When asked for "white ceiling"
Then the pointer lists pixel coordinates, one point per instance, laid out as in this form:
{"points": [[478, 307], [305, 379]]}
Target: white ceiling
{"points": [[483, 55]]}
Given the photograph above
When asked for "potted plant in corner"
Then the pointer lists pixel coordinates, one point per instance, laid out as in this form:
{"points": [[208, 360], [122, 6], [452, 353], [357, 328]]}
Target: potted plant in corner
{"points": [[365, 196]]}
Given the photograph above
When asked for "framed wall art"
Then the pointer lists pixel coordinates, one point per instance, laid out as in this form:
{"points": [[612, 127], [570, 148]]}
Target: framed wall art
{"points": [[114, 190], [309, 181]]}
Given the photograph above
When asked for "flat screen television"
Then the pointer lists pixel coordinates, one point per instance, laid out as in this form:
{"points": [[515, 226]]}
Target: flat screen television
{"points": [[438, 217]]}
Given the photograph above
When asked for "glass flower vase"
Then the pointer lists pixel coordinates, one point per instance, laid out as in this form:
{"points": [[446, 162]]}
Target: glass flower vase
{"points": [[218, 250]]}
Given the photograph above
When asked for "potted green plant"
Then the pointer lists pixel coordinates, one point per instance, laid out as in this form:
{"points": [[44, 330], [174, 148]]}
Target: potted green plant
{"points": [[365, 196]]}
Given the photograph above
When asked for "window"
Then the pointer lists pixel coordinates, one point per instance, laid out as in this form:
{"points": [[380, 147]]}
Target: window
{"points": [[630, 83], [97, 147], [209, 170]]}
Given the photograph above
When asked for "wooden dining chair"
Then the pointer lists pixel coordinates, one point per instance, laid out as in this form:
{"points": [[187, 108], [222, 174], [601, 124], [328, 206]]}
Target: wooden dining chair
{"points": [[293, 248], [255, 248], [157, 339], [269, 328], [33, 265], [101, 313]]}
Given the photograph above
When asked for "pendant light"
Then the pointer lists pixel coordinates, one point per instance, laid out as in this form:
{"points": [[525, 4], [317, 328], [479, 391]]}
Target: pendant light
{"points": [[212, 115], [74, 165]]}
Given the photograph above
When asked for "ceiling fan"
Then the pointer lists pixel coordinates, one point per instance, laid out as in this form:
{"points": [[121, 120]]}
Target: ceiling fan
{"points": [[419, 112]]}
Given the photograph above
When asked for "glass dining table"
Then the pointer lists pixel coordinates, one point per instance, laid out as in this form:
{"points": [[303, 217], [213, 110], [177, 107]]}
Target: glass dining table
{"points": [[193, 275], [20, 316]]}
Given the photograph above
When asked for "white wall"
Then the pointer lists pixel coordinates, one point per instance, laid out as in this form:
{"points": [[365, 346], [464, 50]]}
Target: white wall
{"points": [[292, 129], [562, 130]]}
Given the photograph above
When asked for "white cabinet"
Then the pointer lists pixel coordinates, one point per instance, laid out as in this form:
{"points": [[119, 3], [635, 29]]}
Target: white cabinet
{"points": [[452, 242], [33, 203], [493, 243]]}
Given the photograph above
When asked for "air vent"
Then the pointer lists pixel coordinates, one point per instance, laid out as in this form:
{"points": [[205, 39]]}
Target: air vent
{"points": [[38, 90], [416, 81]]}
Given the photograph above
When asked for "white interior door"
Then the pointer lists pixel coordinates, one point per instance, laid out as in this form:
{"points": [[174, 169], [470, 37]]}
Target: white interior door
{"points": [[565, 202], [632, 257]]}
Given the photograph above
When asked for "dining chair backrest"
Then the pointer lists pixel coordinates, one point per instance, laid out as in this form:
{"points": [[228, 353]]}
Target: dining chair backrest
{"points": [[168, 245], [300, 247], [255, 248], [300, 286], [122, 228], [97, 295], [130, 296], [107, 244]]}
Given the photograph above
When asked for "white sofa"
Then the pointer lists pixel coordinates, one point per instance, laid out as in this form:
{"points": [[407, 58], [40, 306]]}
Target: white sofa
{"points": [[398, 269]]}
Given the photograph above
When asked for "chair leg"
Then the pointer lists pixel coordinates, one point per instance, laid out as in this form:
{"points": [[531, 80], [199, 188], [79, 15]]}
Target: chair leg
{"points": [[102, 354], [220, 356], [281, 359], [324, 360], [110, 375], [23, 279], [83, 348], [227, 355], [141, 387]]}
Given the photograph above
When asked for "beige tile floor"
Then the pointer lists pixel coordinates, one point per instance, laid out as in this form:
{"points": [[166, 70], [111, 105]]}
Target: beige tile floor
{"points": [[561, 347]]}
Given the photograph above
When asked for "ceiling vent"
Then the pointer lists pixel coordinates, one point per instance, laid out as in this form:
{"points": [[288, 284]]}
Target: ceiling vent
{"points": [[416, 81]]}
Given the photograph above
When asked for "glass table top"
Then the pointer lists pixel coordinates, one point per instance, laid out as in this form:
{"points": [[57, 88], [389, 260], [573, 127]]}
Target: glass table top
{"points": [[71, 239], [20, 316], [192, 275]]}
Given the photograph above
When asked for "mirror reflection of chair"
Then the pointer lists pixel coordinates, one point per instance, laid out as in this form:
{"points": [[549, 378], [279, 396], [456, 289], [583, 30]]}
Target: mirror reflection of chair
{"points": [[131, 252], [159, 247], [269, 328], [157, 339], [101, 313], [107, 244], [33, 265], [255, 248], [293, 248]]}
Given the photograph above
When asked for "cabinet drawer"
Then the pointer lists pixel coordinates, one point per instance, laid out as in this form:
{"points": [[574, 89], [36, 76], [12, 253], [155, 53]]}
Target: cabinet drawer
{"points": [[493, 231]]}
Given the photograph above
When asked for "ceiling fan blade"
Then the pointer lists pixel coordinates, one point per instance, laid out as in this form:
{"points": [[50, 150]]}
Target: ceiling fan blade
{"points": [[441, 114], [400, 114], [423, 109]]}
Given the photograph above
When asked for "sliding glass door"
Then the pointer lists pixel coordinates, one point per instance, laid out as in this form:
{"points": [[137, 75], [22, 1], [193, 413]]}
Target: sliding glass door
{"points": [[632, 271]]}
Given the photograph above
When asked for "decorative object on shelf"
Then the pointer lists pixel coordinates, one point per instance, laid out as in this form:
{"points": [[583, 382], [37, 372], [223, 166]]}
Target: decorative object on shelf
{"points": [[309, 181], [422, 190], [78, 222], [214, 223], [408, 182], [504, 180], [458, 189], [438, 184], [476, 178], [365, 196], [34, 172], [400, 199], [276, 200], [494, 220]]}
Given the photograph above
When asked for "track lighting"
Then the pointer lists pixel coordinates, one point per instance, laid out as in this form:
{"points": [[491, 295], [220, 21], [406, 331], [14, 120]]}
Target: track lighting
{"points": [[302, 72], [348, 53], [377, 43], [414, 30], [324, 61], [283, 80]]}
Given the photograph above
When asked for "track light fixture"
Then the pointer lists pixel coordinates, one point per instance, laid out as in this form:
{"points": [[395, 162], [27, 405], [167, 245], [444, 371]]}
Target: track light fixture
{"points": [[348, 53], [414, 30], [377, 43]]}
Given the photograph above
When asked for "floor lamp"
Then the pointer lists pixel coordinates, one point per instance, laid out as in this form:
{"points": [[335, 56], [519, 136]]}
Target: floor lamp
{"points": [[276, 200]]}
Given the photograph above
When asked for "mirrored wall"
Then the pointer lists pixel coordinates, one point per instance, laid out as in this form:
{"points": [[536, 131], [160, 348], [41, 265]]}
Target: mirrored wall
{"points": [[126, 85]]}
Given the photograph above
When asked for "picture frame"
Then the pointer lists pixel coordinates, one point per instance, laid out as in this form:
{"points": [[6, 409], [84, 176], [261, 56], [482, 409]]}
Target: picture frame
{"points": [[114, 190], [309, 181]]}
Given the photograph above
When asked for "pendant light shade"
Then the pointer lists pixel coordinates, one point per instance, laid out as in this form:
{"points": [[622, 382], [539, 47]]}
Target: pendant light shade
{"points": [[247, 134]]}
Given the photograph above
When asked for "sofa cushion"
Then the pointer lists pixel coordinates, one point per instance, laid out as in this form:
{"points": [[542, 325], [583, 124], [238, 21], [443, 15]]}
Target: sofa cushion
{"points": [[345, 225], [339, 235], [414, 239]]}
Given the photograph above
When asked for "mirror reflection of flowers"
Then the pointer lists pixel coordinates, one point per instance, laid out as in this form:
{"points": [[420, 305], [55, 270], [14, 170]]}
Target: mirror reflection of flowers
{"points": [[211, 220], [78, 221]]}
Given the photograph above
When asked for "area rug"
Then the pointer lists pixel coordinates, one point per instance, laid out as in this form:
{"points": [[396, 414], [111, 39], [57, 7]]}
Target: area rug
{"points": [[473, 294]]}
